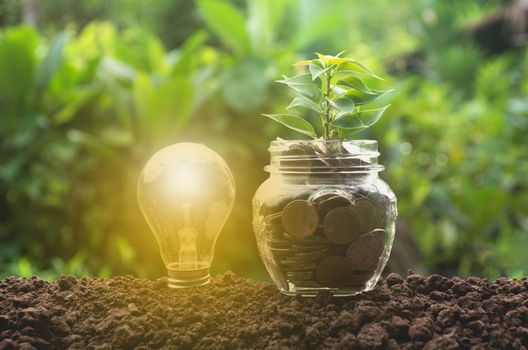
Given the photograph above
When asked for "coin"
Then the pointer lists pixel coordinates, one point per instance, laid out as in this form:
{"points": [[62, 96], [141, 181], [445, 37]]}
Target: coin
{"points": [[273, 218], [291, 265], [349, 161], [297, 156], [309, 257], [342, 225], [333, 271], [329, 202], [381, 203], [317, 164], [280, 251], [330, 157], [334, 200], [321, 197], [273, 230], [299, 275], [273, 223], [339, 250], [297, 248], [274, 243], [364, 253], [367, 214], [305, 284], [307, 241], [358, 278], [381, 233], [325, 155], [300, 218]]}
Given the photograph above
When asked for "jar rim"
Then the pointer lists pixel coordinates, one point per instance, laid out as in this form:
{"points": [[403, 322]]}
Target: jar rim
{"points": [[280, 141], [324, 157]]}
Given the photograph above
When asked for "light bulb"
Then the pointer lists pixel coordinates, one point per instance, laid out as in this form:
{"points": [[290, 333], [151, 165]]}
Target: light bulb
{"points": [[186, 192]]}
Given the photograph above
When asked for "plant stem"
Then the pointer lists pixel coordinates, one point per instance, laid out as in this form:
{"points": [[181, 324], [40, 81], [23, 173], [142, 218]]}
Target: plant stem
{"points": [[326, 115]]}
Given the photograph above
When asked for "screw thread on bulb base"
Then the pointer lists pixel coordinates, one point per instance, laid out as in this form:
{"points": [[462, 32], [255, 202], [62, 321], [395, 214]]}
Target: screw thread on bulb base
{"points": [[188, 278]]}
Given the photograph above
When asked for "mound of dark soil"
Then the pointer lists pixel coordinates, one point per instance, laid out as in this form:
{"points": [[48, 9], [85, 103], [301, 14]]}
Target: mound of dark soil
{"points": [[232, 313]]}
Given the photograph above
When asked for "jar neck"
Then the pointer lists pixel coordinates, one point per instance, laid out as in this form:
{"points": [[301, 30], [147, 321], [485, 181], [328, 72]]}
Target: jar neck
{"points": [[325, 160], [324, 179]]}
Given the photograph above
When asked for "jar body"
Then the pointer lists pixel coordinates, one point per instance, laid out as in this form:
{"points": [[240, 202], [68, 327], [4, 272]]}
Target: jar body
{"points": [[322, 230]]}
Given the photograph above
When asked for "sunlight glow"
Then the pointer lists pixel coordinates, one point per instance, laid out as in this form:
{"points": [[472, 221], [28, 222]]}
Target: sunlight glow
{"points": [[185, 180]]}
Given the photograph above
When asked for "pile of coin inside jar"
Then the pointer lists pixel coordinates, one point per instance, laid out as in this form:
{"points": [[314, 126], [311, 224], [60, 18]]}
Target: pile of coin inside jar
{"points": [[330, 240]]}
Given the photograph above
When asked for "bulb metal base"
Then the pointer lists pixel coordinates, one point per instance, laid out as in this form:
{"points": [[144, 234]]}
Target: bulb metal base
{"points": [[188, 278]]}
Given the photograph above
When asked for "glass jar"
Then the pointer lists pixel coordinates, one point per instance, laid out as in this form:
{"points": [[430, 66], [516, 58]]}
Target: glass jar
{"points": [[324, 220]]}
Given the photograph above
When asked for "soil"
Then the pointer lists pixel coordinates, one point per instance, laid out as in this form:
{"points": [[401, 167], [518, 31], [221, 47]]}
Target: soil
{"points": [[417, 312]]}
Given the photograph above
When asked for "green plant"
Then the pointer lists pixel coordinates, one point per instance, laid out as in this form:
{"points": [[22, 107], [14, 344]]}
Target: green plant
{"points": [[96, 106], [76, 127], [332, 88]]}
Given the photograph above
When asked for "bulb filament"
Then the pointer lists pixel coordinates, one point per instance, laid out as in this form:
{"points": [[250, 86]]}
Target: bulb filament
{"points": [[188, 256]]}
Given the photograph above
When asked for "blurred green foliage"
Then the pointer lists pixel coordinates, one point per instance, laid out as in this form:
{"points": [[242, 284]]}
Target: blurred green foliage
{"points": [[84, 103]]}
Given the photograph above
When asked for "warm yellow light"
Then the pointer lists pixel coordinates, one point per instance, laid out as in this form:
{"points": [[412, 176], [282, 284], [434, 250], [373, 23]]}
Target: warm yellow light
{"points": [[186, 181], [186, 192]]}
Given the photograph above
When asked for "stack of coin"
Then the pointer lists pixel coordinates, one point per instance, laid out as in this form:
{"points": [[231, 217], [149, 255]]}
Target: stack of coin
{"points": [[318, 157], [331, 241]]}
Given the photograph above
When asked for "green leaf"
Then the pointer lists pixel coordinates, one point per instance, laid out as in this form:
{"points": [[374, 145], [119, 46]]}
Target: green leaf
{"points": [[294, 122], [265, 18], [302, 101], [17, 65], [170, 106], [226, 22], [141, 50], [311, 30], [186, 54], [303, 63], [355, 83], [142, 93], [331, 103], [332, 60], [303, 84], [24, 267], [51, 62], [244, 86], [316, 69], [354, 122], [78, 98], [94, 144], [162, 108], [354, 65], [112, 69], [345, 105], [361, 98], [341, 102]]}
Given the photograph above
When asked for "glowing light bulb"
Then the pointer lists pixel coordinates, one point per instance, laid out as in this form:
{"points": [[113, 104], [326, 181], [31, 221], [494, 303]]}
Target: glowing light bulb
{"points": [[186, 192]]}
